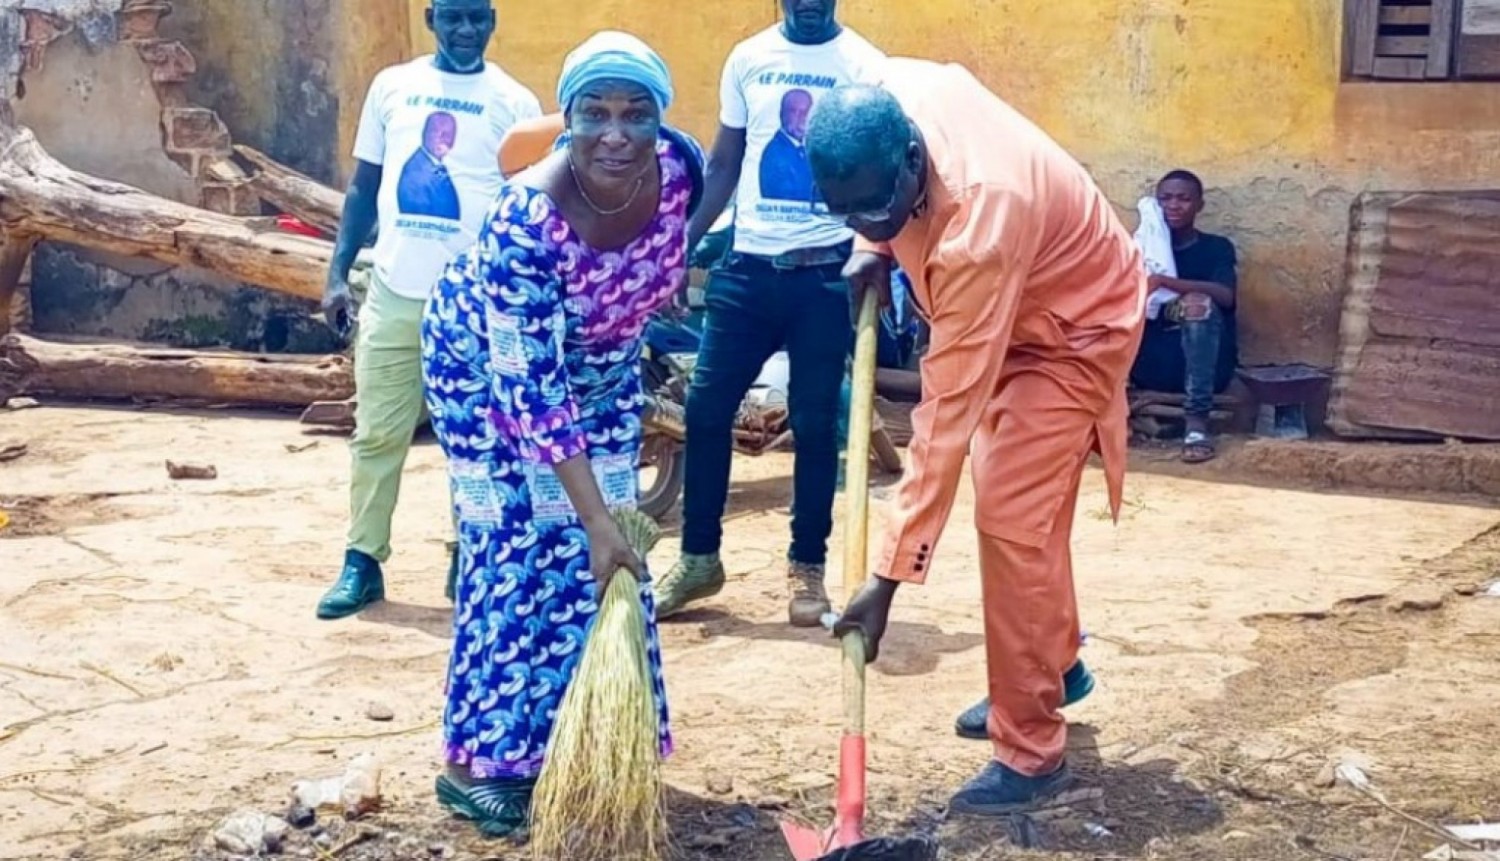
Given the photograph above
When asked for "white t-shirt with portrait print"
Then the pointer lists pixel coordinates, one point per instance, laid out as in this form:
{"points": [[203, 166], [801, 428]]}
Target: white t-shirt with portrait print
{"points": [[436, 134], [769, 88]]}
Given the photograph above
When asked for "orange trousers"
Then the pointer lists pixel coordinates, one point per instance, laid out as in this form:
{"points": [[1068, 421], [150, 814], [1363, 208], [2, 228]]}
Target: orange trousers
{"points": [[1027, 463]]}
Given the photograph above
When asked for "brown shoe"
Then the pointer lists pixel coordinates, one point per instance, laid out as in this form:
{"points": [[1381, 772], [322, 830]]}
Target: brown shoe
{"points": [[808, 601]]}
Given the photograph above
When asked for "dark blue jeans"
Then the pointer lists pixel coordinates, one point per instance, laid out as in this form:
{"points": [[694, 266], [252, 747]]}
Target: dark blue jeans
{"points": [[1200, 354], [1185, 357], [754, 310]]}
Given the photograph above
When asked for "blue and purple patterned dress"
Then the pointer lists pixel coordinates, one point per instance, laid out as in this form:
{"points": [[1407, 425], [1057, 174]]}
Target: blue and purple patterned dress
{"points": [[531, 351]]}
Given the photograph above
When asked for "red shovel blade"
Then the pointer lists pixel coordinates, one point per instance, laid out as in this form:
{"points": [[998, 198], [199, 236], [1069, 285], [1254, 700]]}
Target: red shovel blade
{"points": [[806, 844], [810, 844]]}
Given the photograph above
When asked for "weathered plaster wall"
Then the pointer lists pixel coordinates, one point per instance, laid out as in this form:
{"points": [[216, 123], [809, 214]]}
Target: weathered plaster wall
{"points": [[96, 111], [1246, 93], [107, 94], [288, 78], [264, 67]]}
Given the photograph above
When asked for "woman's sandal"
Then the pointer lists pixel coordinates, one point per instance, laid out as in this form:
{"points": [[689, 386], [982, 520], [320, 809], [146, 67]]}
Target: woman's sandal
{"points": [[496, 809], [1197, 447]]}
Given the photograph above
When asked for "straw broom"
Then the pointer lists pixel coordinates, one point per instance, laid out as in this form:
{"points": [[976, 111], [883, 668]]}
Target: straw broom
{"points": [[600, 794]]}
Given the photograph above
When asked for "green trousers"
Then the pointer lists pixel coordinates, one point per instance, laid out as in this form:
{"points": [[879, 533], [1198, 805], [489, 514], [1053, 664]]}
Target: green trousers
{"points": [[388, 386]]}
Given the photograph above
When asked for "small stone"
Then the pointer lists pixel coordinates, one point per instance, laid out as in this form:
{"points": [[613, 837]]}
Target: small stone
{"points": [[250, 832], [380, 712], [275, 835], [1467, 589], [439, 850], [1237, 835], [1326, 778], [21, 404], [191, 471], [720, 784], [323, 841]]}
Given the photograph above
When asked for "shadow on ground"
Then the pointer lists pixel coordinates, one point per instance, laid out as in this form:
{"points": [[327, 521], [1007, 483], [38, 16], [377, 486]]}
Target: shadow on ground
{"points": [[909, 649]]}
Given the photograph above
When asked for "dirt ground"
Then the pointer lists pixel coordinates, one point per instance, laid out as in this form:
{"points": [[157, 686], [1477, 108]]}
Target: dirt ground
{"points": [[160, 664]]}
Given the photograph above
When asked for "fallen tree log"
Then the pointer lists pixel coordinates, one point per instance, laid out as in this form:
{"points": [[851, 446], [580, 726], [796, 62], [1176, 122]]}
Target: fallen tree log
{"points": [[43, 198], [293, 192], [119, 372], [14, 251]]}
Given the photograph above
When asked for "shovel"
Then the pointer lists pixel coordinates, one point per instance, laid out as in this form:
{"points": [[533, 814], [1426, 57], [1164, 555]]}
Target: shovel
{"points": [[846, 841]]}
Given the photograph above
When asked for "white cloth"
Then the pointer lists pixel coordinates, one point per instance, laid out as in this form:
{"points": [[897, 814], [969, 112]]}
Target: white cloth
{"points": [[436, 134], [1155, 240], [769, 87]]}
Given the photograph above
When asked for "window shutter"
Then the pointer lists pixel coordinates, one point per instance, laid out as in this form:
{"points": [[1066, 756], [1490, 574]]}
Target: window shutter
{"points": [[1478, 48], [1406, 40]]}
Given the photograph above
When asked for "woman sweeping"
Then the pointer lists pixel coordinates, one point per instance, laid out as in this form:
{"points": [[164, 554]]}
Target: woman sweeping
{"points": [[531, 345]]}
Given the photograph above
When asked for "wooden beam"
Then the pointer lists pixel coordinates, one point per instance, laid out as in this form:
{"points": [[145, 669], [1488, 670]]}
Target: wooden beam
{"points": [[1365, 25], [1440, 44], [293, 192], [1405, 16], [1402, 46], [42, 197], [1478, 50], [1400, 68], [119, 372]]}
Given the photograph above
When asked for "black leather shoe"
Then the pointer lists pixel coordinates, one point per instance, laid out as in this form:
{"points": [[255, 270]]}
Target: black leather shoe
{"points": [[999, 790], [360, 584]]}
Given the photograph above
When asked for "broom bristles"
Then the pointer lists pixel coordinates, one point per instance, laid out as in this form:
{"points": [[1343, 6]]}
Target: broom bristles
{"points": [[600, 794]]}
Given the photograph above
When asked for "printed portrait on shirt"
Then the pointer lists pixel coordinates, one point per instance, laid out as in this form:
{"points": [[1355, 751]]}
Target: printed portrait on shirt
{"points": [[426, 188], [784, 171]]}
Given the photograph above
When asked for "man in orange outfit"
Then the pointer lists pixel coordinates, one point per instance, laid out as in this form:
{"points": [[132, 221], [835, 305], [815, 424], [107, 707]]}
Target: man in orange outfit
{"points": [[1035, 294]]}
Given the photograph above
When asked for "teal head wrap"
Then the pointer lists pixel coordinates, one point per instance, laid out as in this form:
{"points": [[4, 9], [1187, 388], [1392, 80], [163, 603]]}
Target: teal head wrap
{"points": [[614, 55]]}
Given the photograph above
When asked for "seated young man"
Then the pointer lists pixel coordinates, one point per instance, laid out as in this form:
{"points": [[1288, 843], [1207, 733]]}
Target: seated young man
{"points": [[1192, 346]]}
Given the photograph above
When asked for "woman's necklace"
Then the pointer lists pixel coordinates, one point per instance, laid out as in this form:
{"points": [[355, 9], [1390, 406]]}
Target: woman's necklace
{"points": [[640, 182]]}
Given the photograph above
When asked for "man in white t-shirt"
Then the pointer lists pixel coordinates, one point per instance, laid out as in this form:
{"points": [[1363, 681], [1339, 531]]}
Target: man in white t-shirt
{"points": [[779, 287], [426, 172]]}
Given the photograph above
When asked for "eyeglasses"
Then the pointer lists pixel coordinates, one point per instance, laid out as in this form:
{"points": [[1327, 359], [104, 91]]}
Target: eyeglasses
{"points": [[871, 216]]}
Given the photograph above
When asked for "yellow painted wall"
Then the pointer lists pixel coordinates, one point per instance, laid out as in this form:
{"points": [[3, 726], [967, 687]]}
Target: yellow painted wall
{"points": [[376, 34], [1245, 92]]}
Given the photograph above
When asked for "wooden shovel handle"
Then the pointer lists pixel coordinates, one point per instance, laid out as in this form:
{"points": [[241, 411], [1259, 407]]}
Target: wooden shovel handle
{"points": [[857, 492], [857, 459]]}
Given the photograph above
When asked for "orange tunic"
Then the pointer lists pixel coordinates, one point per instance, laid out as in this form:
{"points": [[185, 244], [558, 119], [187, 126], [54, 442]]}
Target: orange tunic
{"points": [[1035, 295]]}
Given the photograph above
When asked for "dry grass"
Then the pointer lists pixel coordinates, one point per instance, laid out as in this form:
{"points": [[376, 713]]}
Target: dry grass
{"points": [[600, 795]]}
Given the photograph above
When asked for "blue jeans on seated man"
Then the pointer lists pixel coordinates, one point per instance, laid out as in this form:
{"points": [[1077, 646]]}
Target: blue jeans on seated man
{"points": [[1200, 353], [1189, 356], [754, 310]]}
